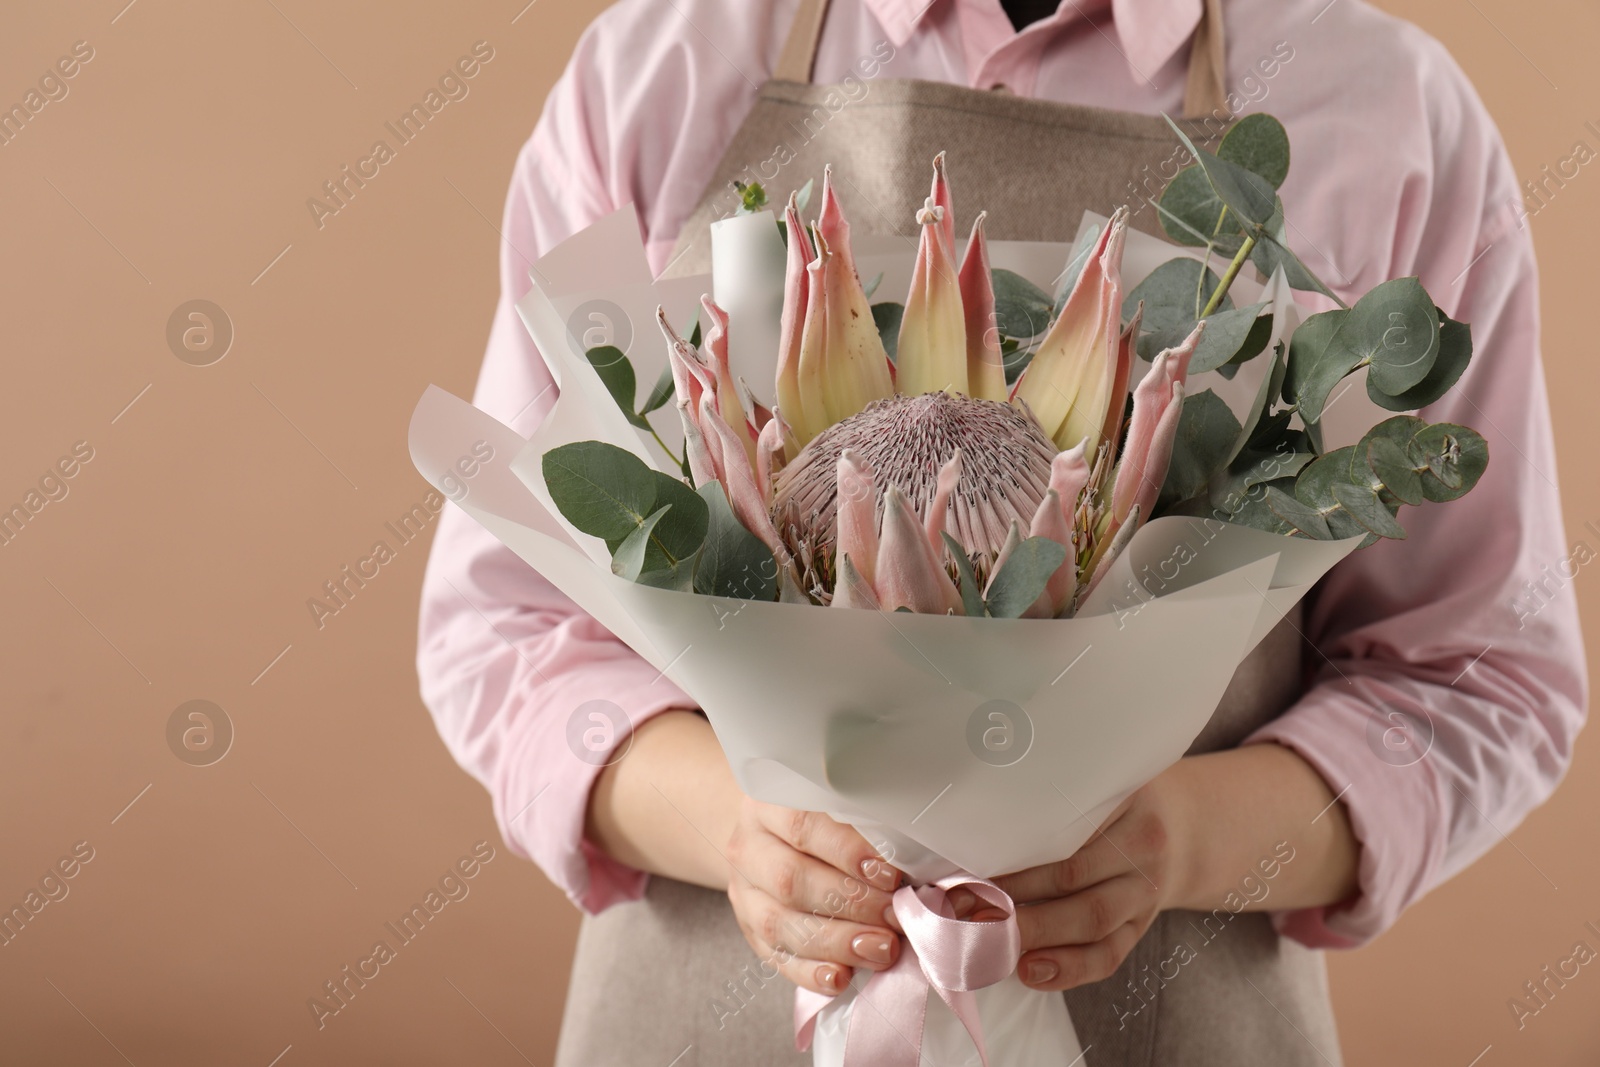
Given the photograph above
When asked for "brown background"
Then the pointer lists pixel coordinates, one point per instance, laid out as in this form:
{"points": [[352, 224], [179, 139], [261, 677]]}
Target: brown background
{"points": [[179, 565]]}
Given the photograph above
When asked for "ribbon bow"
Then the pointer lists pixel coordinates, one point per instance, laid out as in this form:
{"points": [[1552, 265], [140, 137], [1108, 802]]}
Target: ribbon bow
{"points": [[951, 956]]}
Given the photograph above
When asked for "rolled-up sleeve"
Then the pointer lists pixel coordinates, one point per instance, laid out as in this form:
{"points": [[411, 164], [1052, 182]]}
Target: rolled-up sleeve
{"points": [[1449, 668], [508, 666]]}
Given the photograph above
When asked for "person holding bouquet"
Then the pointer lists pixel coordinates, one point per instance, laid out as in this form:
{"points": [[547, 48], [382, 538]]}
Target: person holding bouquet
{"points": [[1427, 714]]}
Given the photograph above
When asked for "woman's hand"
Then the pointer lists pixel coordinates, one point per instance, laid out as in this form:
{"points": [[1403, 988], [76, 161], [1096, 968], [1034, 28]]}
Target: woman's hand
{"points": [[1080, 917], [811, 896], [1188, 839]]}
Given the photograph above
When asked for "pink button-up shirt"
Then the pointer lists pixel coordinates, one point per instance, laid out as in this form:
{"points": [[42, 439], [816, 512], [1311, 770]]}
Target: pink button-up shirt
{"points": [[1469, 627]]}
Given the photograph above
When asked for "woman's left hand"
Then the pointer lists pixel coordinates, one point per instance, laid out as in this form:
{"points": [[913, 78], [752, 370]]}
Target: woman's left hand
{"points": [[1186, 840], [1081, 916]]}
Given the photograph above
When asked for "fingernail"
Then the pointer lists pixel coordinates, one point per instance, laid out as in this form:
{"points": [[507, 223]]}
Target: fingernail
{"points": [[1041, 971], [829, 978], [879, 874], [890, 920], [871, 947], [961, 900]]}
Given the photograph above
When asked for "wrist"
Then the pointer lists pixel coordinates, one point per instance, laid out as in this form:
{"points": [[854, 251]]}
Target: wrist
{"points": [[1178, 801], [1232, 811]]}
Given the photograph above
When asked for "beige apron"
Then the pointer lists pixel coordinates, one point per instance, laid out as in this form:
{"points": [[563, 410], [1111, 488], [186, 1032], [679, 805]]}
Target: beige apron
{"points": [[669, 980]]}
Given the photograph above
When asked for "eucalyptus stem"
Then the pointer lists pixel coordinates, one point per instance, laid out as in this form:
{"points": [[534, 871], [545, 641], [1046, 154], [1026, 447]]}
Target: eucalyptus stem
{"points": [[660, 442], [1227, 279]]}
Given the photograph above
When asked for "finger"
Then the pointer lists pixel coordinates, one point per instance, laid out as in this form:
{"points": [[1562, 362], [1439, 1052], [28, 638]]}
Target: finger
{"points": [[806, 884], [819, 976], [1065, 967], [1095, 862], [1087, 916], [832, 842], [815, 937]]}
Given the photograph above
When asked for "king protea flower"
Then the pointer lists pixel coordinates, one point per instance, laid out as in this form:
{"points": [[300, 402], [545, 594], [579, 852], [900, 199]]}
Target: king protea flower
{"points": [[857, 474]]}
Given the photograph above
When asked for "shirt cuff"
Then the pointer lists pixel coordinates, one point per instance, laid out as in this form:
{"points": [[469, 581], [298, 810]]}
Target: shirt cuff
{"points": [[542, 799], [1391, 794]]}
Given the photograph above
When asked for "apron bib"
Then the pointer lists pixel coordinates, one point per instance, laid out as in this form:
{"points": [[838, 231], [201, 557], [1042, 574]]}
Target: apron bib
{"points": [[669, 979]]}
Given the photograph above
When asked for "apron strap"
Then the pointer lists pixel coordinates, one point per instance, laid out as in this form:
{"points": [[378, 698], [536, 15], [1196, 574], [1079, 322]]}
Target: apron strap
{"points": [[800, 49], [1205, 93]]}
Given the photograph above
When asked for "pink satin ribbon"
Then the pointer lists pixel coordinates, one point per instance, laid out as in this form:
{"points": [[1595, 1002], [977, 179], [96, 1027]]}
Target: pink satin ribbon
{"points": [[951, 956]]}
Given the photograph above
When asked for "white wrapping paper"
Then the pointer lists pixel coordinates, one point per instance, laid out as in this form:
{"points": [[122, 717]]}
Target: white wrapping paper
{"points": [[983, 745]]}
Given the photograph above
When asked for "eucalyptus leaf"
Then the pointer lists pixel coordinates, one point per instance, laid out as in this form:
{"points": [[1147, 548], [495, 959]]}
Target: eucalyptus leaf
{"points": [[1225, 335], [872, 286], [886, 317], [1250, 197], [1189, 210], [1255, 343], [1392, 467], [1455, 350], [680, 535], [1021, 309], [1315, 489], [1271, 383], [971, 595], [1027, 570], [1272, 430], [733, 562], [603, 490], [1259, 144], [660, 393], [1361, 502], [1272, 251], [1169, 296], [627, 559], [1253, 469], [616, 373], [1316, 365], [1395, 329], [1207, 431], [1251, 509], [1015, 357], [1455, 457], [1308, 520], [679, 579], [1185, 220]]}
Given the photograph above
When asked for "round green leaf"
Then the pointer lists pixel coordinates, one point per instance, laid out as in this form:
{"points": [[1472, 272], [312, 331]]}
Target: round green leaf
{"points": [[1308, 520], [1455, 457], [886, 317], [1207, 430], [1226, 335], [1027, 569], [733, 562], [1314, 368], [1392, 468], [1260, 144], [1172, 294], [1250, 197], [603, 490], [616, 373], [1021, 309], [1315, 488], [1395, 328], [1361, 503], [1190, 211], [1455, 351]]}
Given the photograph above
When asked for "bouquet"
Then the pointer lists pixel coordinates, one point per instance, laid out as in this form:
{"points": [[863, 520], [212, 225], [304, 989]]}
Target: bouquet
{"points": [[1015, 491]]}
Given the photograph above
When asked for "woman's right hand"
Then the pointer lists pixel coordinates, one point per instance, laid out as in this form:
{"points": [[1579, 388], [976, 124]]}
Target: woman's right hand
{"points": [[811, 895]]}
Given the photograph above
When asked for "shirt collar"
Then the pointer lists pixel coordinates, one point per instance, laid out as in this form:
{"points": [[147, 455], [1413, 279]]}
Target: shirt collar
{"points": [[1149, 32]]}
